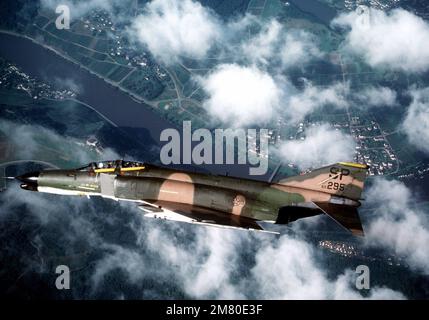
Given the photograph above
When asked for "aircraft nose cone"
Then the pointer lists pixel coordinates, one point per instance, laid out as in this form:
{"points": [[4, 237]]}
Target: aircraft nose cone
{"points": [[29, 180]]}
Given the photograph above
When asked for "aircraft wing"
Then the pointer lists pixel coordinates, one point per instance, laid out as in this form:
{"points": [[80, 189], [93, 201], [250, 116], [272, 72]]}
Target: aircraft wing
{"points": [[346, 216], [195, 214]]}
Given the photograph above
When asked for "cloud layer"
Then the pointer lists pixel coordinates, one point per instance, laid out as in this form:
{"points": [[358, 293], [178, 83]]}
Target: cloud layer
{"points": [[247, 95], [398, 224], [323, 145], [416, 122], [275, 46], [171, 29], [376, 97], [395, 40], [160, 259], [34, 142], [240, 95], [312, 98]]}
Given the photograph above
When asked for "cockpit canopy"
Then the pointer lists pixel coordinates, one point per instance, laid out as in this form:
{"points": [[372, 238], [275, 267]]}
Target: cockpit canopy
{"points": [[111, 165]]}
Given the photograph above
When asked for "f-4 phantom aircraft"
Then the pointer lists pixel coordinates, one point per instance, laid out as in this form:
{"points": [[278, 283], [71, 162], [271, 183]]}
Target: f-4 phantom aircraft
{"points": [[207, 199]]}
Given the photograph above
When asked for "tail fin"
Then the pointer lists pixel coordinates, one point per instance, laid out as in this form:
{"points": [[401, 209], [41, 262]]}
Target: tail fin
{"points": [[343, 179]]}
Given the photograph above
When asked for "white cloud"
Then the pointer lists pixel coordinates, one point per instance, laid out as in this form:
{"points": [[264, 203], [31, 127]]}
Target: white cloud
{"points": [[274, 45], [377, 97], [398, 225], [211, 260], [30, 141], [289, 270], [416, 122], [119, 257], [241, 96], [322, 146], [343, 290], [261, 48], [171, 29], [285, 268], [15, 199], [396, 40], [312, 98], [246, 95], [299, 49], [198, 262]]}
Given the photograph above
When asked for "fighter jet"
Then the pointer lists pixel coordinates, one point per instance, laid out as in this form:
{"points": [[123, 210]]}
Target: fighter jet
{"points": [[215, 200]]}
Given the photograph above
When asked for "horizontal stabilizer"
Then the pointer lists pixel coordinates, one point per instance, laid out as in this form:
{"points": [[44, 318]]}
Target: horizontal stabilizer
{"points": [[346, 216]]}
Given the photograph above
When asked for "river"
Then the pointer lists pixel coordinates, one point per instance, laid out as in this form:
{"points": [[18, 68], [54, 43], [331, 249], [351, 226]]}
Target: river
{"points": [[319, 10], [114, 104], [108, 100]]}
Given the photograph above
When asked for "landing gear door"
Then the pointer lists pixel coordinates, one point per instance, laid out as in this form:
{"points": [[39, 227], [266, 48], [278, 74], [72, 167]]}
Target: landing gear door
{"points": [[107, 184]]}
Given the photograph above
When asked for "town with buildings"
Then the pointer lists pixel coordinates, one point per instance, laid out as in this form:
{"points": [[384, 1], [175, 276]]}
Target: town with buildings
{"points": [[12, 77]]}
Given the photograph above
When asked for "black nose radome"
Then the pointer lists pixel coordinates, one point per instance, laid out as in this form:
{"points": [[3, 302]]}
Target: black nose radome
{"points": [[29, 180]]}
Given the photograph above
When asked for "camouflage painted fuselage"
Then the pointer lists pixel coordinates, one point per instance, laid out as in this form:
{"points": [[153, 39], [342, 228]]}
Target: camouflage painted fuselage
{"points": [[256, 200]]}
